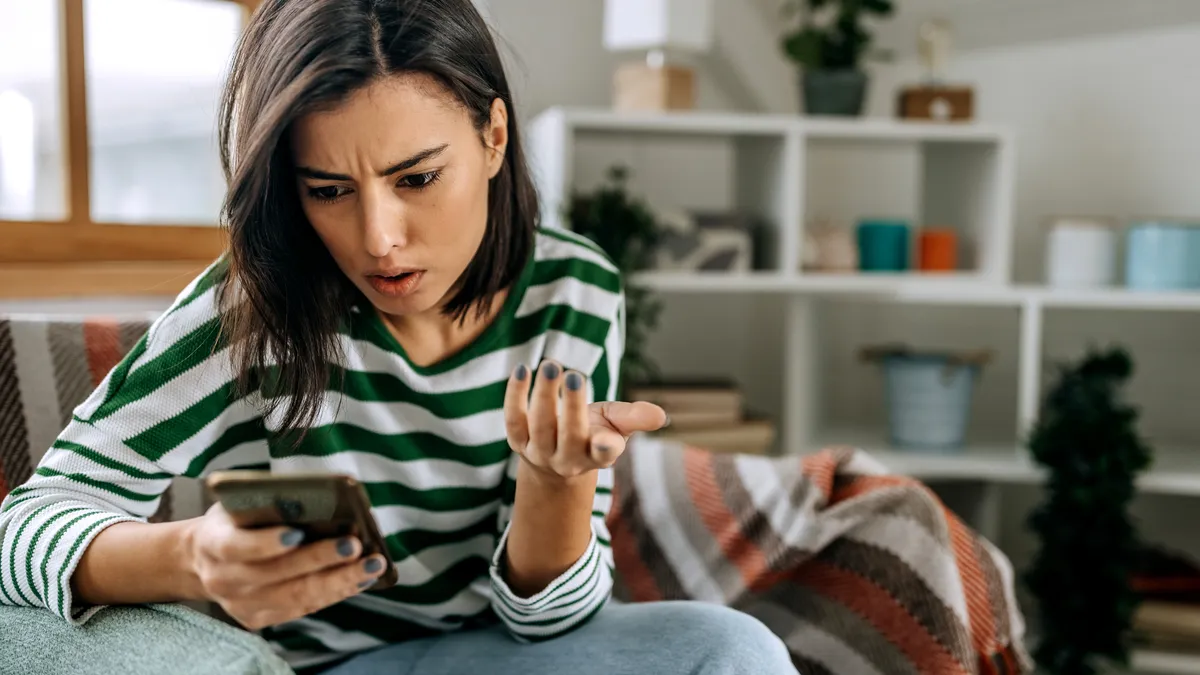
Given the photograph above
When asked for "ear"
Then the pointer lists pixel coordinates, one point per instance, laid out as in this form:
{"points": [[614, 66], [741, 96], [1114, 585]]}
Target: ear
{"points": [[495, 137]]}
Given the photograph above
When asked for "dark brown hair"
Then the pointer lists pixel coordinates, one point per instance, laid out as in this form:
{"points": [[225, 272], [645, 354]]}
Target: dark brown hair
{"points": [[285, 298]]}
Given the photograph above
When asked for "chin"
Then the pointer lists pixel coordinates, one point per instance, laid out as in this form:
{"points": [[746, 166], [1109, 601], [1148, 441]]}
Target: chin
{"points": [[420, 302]]}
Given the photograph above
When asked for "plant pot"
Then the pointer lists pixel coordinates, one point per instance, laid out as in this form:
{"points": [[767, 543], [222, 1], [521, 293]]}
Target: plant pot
{"points": [[834, 92]]}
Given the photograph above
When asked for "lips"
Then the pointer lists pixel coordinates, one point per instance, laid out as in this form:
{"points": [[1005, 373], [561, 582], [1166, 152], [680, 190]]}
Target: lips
{"points": [[396, 283]]}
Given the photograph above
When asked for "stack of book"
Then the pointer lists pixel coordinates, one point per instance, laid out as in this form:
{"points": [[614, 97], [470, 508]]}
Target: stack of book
{"points": [[708, 414], [1168, 617]]}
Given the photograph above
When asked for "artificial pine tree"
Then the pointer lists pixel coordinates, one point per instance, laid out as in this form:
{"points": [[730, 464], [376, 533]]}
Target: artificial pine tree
{"points": [[1087, 439]]}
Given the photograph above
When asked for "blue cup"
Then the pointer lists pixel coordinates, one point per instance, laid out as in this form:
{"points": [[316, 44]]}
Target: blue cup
{"points": [[883, 245], [1161, 256], [1193, 262]]}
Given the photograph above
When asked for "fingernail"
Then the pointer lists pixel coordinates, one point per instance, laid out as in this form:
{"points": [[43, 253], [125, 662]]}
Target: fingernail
{"points": [[373, 565], [667, 423], [574, 381], [521, 372], [603, 449], [345, 548], [291, 538], [550, 371], [366, 584]]}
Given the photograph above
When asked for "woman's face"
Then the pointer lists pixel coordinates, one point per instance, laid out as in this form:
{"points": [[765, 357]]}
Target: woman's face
{"points": [[395, 182]]}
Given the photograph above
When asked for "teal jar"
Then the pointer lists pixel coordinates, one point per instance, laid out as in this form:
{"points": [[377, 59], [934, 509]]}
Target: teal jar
{"points": [[1161, 256], [883, 245]]}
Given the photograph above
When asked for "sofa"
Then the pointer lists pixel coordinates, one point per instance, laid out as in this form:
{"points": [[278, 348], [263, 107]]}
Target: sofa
{"points": [[841, 559]]}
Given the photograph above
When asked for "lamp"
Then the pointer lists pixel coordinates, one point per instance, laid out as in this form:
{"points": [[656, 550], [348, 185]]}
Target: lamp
{"points": [[663, 30]]}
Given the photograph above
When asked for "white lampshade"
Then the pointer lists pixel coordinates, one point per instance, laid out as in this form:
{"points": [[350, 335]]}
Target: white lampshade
{"points": [[676, 25]]}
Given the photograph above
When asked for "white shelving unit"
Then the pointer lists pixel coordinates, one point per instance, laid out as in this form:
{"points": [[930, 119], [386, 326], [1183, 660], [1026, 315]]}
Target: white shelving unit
{"points": [[966, 178], [964, 174]]}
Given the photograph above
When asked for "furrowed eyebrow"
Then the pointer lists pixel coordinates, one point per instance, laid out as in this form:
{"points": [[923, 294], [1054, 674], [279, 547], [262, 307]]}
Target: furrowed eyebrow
{"points": [[430, 153]]}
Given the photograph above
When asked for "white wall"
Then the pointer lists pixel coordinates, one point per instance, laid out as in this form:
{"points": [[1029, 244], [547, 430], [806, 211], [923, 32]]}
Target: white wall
{"points": [[554, 55]]}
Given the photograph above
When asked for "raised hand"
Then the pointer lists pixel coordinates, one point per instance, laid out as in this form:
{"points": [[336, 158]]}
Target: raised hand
{"points": [[557, 432]]}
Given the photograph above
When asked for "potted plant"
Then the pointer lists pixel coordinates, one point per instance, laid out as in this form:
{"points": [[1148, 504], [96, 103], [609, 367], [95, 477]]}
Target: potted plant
{"points": [[625, 228], [829, 44], [1088, 549]]}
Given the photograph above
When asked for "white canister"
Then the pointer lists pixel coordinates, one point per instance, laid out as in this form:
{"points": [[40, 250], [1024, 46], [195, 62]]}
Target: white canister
{"points": [[1081, 252]]}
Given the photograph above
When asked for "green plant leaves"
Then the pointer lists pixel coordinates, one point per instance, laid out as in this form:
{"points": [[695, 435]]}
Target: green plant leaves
{"points": [[624, 227], [843, 43], [805, 47]]}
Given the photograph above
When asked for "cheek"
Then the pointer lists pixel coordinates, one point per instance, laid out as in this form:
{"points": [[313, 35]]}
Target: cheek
{"points": [[461, 210], [339, 239]]}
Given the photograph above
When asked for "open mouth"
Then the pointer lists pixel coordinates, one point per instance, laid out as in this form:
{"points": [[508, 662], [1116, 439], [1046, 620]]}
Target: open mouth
{"points": [[403, 283]]}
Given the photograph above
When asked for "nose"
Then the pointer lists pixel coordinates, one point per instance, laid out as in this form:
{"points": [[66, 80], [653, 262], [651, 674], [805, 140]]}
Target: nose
{"points": [[383, 223]]}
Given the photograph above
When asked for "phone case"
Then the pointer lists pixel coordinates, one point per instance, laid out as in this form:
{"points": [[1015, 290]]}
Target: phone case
{"points": [[323, 506]]}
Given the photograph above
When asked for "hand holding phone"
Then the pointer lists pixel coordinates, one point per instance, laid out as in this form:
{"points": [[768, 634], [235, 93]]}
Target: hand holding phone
{"points": [[277, 548]]}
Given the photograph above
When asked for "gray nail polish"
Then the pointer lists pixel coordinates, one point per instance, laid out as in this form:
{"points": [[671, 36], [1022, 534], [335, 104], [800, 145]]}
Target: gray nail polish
{"points": [[603, 449], [574, 381], [291, 538], [550, 371], [521, 372], [667, 423], [372, 565], [345, 548]]}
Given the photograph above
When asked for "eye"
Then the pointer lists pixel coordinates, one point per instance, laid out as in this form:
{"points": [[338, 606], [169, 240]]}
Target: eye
{"points": [[328, 193], [419, 181]]}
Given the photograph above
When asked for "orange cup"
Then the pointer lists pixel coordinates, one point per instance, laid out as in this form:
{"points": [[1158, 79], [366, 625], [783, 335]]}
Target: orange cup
{"points": [[937, 250]]}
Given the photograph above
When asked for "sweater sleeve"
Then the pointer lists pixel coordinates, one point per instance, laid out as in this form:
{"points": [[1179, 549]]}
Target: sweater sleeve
{"points": [[166, 410], [579, 593]]}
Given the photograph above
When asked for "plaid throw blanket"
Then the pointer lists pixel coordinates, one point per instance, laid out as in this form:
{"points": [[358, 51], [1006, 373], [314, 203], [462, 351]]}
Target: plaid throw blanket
{"points": [[857, 571]]}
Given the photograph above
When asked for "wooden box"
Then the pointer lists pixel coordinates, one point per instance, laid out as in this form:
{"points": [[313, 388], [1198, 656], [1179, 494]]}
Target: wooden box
{"points": [[936, 103], [637, 86]]}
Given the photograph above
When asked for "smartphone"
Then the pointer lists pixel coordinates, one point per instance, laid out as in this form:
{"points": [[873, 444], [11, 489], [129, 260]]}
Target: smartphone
{"points": [[322, 505]]}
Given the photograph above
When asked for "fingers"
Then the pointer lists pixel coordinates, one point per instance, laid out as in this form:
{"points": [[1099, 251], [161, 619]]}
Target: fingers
{"points": [[305, 595], [516, 408], [314, 557], [229, 543], [605, 448], [572, 458], [543, 413], [629, 418]]}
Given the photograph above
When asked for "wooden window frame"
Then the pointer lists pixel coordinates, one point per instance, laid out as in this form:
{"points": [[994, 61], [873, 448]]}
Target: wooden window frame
{"points": [[78, 256]]}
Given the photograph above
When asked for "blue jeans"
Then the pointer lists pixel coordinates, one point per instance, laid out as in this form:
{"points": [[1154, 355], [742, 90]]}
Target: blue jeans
{"points": [[663, 638]]}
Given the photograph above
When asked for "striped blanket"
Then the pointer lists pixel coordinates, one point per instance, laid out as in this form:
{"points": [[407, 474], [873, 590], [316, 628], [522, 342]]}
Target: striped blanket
{"points": [[47, 368], [858, 571]]}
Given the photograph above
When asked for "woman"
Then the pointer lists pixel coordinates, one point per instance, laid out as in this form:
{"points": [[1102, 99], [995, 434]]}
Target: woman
{"points": [[389, 310]]}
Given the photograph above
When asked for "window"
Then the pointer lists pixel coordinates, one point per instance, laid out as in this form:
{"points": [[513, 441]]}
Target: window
{"points": [[152, 121], [32, 185], [108, 147]]}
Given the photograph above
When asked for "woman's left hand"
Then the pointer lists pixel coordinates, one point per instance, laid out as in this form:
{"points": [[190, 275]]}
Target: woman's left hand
{"points": [[577, 439]]}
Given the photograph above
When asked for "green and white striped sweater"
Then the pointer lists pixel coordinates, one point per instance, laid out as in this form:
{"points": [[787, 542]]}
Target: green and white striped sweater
{"points": [[428, 443]]}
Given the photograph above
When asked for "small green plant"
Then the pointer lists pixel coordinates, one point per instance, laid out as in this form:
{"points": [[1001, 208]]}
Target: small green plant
{"points": [[625, 228], [831, 34], [1087, 439]]}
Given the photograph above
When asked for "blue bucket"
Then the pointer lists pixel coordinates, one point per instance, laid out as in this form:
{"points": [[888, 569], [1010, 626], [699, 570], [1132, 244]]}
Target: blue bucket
{"points": [[928, 398]]}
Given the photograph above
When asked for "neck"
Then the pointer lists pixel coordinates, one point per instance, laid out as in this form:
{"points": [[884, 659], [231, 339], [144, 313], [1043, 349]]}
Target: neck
{"points": [[432, 336]]}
